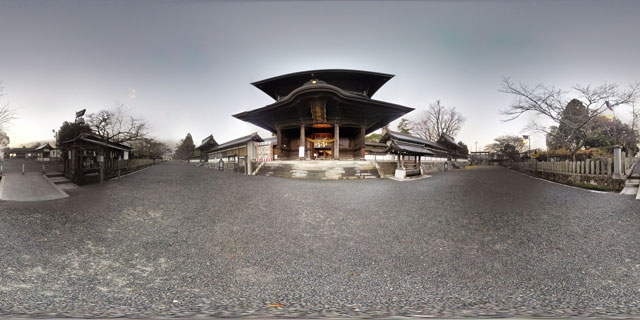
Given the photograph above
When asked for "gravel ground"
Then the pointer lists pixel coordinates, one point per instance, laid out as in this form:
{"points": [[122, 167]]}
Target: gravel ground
{"points": [[179, 240]]}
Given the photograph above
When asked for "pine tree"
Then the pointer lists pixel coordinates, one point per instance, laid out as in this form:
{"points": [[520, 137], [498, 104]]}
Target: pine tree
{"points": [[184, 149]]}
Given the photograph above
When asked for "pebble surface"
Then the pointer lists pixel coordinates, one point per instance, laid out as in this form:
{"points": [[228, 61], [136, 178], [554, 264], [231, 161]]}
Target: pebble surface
{"points": [[176, 240]]}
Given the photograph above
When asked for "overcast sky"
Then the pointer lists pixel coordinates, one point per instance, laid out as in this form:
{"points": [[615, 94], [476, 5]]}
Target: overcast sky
{"points": [[186, 66]]}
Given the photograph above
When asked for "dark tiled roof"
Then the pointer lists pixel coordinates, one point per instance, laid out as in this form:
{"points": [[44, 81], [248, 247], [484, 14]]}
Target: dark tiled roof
{"points": [[409, 148], [46, 145], [252, 137], [348, 80], [207, 142], [20, 150], [449, 141], [375, 147], [394, 135], [375, 144], [97, 140]]}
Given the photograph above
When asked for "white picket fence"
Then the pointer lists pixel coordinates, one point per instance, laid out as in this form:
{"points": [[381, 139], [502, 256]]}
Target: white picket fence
{"points": [[602, 166]]}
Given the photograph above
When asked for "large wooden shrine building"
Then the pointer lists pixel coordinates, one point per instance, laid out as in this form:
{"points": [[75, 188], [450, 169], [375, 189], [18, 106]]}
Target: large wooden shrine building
{"points": [[323, 114]]}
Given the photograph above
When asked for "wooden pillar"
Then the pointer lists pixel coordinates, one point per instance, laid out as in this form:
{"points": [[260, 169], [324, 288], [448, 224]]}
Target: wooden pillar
{"points": [[336, 141], [302, 142], [363, 134], [279, 142], [101, 165]]}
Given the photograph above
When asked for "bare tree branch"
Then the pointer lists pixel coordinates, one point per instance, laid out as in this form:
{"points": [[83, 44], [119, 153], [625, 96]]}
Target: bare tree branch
{"points": [[550, 102], [118, 125], [438, 120], [7, 114]]}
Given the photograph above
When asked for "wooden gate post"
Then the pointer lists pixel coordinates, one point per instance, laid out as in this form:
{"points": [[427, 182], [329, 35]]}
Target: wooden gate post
{"points": [[101, 165]]}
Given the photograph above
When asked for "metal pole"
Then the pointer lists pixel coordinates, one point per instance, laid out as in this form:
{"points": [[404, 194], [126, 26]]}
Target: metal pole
{"points": [[23, 168]]}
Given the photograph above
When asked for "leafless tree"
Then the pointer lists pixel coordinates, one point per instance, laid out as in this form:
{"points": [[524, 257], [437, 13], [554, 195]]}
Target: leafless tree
{"points": [[118, 125], [4, 139], [635, 116], [7, 114], [517, 142], [436, 120], [550, 102]]}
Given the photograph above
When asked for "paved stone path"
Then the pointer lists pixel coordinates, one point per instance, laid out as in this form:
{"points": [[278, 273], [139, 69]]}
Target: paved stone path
{"points": [[176, 239], [28, 187]]}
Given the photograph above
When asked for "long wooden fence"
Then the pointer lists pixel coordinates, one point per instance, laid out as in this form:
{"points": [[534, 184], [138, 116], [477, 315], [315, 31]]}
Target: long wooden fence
{"points": [[601, 166], [127, 165]]}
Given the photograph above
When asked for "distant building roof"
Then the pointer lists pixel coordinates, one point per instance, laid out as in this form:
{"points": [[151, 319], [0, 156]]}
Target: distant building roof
{"points": [[20, 150], [97, 140], [448, 141], [46, 145], [242, 140], [394, 135], [402, 147], [208, 142], [375, 147]]}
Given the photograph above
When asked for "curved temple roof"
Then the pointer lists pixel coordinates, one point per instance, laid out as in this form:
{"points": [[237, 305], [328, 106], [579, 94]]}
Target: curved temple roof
{"points": [[347, 94], [354, 81]]}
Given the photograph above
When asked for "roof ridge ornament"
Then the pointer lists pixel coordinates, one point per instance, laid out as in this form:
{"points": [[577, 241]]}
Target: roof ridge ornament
{"points": [[315, 81]]}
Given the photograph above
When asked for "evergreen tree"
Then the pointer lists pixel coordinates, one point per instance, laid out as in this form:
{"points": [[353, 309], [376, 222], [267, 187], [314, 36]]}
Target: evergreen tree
{"points": [[465, 148], [184, 149], [70, 130]]}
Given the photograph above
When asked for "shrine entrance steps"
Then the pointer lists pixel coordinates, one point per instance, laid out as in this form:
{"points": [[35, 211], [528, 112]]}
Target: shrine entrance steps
{"points": [[632, 185], [319, 169]]}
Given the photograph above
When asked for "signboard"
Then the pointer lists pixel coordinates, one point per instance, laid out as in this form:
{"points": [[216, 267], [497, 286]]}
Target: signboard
{"points": [[264, 151], [301, 152], [126, 155]]}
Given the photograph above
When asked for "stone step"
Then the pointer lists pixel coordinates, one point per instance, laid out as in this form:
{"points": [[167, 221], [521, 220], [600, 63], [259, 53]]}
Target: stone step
{"points": [[629, 190], [54, 174], [58, 179], [632, 182], [320, 170], [66, 185]]}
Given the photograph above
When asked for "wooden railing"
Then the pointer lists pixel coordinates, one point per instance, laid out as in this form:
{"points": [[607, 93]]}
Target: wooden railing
{"points": [[601, 166]]}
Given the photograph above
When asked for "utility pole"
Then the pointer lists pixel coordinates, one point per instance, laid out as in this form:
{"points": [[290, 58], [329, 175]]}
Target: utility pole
{"points": [[476, 146]]}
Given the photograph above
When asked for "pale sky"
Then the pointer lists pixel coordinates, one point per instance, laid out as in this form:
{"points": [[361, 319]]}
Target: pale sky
{"points": [[186, 66]]}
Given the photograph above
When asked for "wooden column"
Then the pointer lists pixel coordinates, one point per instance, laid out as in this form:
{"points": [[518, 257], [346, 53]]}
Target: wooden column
{"points": [[302, 142], [336, 141], [279, 142], [363, 134]]}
